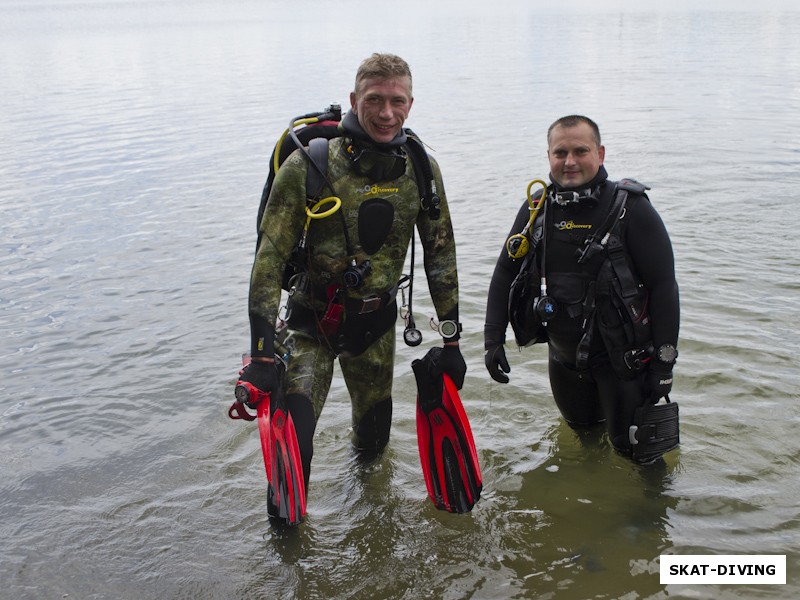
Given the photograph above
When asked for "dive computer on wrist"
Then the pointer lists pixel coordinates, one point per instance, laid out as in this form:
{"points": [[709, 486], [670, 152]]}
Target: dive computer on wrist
{"points": [[667, 353], [449, 329]]}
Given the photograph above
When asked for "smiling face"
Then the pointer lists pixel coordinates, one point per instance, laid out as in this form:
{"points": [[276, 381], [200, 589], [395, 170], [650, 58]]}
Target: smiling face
{"points": [[382, 106], [574, 155]]}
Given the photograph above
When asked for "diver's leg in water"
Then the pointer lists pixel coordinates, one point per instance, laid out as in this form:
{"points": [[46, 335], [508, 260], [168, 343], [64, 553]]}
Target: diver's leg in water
{"points": [[308, 381], [369, 380], [619, 400], [575, 393]]}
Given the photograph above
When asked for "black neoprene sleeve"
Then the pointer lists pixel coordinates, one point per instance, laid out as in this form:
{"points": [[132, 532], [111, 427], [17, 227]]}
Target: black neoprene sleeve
{"points": [[650, 249]]}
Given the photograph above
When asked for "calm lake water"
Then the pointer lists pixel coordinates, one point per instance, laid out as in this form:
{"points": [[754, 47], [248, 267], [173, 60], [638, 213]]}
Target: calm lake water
{"points": [[136, 136]]}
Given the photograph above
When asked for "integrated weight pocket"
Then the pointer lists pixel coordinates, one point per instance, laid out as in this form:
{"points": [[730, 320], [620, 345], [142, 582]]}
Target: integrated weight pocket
{"points": [[569, 289]]}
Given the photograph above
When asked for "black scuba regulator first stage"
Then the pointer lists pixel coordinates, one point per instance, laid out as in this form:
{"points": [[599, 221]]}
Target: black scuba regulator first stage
{"points": [[355, 275]]}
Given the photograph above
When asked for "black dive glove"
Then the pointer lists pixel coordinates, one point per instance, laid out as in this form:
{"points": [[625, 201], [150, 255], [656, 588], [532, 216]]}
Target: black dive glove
{"points": [[659, 380], [265, 376], [495, 359], [447, 360]]}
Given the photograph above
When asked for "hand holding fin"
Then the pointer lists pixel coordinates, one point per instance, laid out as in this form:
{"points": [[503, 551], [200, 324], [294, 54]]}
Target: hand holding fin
{"points": [[446, 447]]}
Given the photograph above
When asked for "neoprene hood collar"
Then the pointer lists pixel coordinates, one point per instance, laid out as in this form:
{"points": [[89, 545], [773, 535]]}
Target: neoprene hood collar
{"points": [[353, 129]]}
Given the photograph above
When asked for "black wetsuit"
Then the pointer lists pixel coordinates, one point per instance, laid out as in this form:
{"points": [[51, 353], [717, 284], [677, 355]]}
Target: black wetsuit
{"points": [[595, 393]]}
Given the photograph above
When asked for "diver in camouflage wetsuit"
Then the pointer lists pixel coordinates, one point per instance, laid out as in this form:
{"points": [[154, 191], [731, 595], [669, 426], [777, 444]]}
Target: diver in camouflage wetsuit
{"points": [[328, 316]]}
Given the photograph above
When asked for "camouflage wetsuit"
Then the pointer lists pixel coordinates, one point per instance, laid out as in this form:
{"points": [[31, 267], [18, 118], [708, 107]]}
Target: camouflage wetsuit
{"points": [[365, 343]]}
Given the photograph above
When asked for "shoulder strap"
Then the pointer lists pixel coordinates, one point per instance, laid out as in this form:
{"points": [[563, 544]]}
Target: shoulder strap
{"points": [[426, 183], [326, 129], [629, 286], [317, 171], [597, 241]]}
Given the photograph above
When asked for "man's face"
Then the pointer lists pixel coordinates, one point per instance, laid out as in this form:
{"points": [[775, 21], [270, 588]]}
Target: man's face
{"points": [[382, 106], [574, 155]]}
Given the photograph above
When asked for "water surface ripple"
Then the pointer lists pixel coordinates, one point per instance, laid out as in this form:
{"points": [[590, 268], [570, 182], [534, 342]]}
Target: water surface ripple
{"points": [[136, 137]]}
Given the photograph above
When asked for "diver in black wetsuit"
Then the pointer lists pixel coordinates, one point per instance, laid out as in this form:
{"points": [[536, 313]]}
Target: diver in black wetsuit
{"points": [[604, 361]]}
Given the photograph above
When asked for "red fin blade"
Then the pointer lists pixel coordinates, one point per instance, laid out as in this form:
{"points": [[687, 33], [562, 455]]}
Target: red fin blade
{"points": [[287, 469], [262, 411], [447, 451], [452, 403]]}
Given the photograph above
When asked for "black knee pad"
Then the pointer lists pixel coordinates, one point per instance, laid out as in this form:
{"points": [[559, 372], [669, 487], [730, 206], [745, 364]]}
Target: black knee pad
{"points": [[371, 433]]}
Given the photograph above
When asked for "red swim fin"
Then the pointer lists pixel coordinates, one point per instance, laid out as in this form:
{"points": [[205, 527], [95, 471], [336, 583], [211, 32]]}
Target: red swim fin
{"points": [[286, 491], [262, 412], [446, 447], [287, 484]]}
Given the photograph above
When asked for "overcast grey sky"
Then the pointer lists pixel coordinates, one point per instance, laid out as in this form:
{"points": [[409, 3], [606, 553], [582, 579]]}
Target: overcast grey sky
{"points": [[666, 5], [647, 5]]}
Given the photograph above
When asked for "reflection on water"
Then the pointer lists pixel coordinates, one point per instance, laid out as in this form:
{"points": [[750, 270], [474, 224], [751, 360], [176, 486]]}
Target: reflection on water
{"points": [[617, 518], [136, 139]]}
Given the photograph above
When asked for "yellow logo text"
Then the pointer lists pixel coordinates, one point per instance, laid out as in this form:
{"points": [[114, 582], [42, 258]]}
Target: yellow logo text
{"points": [[571, 225]]}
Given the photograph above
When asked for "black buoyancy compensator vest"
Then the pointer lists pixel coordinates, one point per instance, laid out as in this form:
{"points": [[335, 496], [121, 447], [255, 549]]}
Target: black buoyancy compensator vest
{"points": [[609, 298]]}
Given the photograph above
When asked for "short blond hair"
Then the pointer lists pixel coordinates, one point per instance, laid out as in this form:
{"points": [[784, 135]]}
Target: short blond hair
{"points": [[383, 66]]}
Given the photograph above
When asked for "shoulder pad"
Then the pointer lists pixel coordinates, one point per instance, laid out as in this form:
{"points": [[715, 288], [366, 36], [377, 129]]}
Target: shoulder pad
{"points": [[633, 186]]}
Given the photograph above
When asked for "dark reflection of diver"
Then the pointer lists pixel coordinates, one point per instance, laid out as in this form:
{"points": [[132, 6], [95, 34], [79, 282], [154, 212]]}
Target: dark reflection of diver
{"points": [[602, 522]]}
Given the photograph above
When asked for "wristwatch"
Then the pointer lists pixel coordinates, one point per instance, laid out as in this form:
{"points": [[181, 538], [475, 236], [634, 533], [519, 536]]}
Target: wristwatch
{"points": [[449, 329], [667, 354]]}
